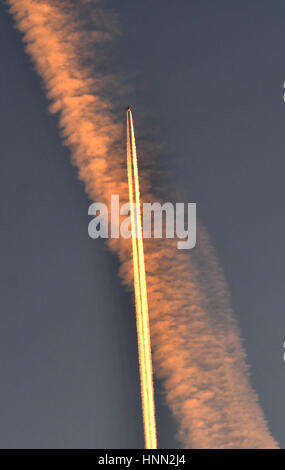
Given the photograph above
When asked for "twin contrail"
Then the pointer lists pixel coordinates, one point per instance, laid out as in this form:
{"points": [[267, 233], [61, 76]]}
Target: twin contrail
{"points": [[196, 345], [140, 288]]}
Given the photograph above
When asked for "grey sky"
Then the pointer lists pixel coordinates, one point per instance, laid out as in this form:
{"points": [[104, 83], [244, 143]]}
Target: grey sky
{"points": [[209, 78]]}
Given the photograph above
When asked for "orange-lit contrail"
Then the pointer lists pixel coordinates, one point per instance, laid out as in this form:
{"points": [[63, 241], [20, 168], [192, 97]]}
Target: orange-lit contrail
{"points": [[142, 316], [197, 351]]}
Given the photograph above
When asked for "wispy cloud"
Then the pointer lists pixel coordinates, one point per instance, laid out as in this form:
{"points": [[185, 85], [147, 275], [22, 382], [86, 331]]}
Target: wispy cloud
{"points": [[196, 342]]}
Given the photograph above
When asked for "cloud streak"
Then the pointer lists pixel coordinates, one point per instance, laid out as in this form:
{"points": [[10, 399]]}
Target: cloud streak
{"points": [[197, 349]]}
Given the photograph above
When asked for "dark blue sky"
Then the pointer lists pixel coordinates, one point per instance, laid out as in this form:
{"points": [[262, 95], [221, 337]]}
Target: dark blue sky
{"points": [[208, 77]]}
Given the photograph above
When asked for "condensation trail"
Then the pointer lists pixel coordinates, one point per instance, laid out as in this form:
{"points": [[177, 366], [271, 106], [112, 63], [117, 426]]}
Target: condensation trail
{"points": [[196, 346], [140, 287]]}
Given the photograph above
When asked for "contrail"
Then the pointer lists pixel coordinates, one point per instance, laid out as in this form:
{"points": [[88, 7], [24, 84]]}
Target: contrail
{"points": [[196, 346], [143, 330]]}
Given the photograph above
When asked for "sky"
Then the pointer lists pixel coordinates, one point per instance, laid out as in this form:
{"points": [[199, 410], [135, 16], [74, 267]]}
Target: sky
{"points": [[207, 79]]}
